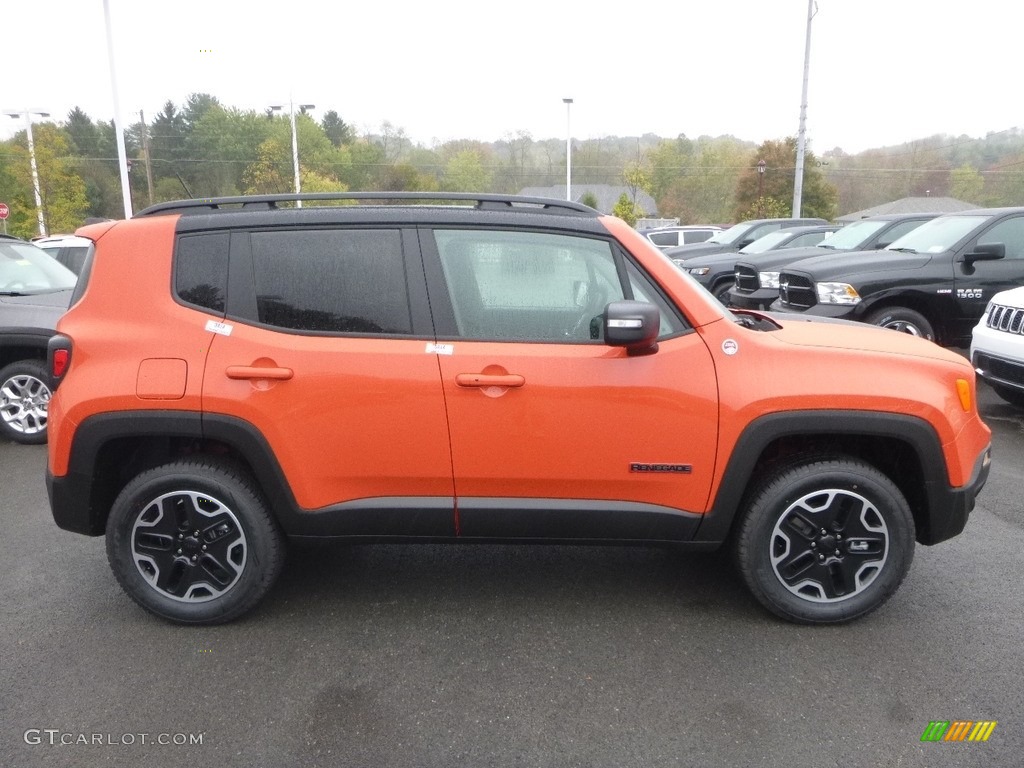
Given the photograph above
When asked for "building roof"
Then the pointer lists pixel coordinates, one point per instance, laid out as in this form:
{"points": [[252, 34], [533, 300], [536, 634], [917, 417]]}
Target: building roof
{"points": [[911, 205], [607, 195]]}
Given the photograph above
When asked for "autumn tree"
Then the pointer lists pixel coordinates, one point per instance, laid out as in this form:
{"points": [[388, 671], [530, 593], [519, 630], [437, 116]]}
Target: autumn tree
{"points": [[818, 199], [965, 183]]}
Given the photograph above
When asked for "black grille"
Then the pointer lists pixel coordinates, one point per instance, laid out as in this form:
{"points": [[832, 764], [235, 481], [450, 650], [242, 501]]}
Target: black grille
{"points": [[746, 278], [796, 291], [997, 368], [1009, 319]]}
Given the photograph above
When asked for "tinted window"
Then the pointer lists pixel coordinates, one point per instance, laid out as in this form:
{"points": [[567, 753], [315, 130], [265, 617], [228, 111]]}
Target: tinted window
{"points": [[898, 231], [528, 286], [1010, 233], [665, 238], [201, 270], [696, 235], [341, 281]]}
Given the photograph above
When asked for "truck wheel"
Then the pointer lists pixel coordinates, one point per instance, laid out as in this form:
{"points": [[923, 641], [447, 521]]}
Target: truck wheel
{"points": [[825, 541], [24, 402], [193, 542], [721, 291], [903, 320]]}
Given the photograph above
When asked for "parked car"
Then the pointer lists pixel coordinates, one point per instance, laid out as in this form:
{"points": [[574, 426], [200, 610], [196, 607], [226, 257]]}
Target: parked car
{"points": [[757, 276], [933, 282], [670, 237], [236, 371], [997, 345], [69, 250], [716, 271], [737, 236], [34, 292]]}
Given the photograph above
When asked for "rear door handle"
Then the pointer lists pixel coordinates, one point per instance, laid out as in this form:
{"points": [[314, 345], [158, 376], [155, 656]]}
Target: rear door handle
{"points": [[255, 372], [489, 380]]}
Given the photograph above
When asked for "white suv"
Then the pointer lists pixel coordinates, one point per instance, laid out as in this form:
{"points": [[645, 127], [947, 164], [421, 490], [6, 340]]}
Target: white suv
{"points": [[670, 237], [997, 345]]}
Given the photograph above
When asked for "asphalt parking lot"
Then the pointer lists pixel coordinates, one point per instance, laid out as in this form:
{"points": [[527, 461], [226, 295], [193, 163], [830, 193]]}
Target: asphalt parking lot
{"points": [[510, 656]]}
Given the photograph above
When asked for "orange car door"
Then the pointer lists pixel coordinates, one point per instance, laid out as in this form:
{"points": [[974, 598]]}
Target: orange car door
{"points": [[329, 363], [554, 433]]}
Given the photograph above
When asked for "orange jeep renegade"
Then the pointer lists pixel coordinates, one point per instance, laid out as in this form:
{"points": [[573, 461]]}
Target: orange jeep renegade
{"points": [[235, 372]]}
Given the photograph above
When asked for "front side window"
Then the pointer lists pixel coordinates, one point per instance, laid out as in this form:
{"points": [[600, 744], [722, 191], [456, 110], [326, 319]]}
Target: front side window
{"points": [[332, 281], [937, 235], [533, 286], [528, 286], [1010, 233]]}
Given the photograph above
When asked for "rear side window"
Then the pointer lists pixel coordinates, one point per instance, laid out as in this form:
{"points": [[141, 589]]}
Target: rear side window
{"points": [[201, 270], [335, 281]]}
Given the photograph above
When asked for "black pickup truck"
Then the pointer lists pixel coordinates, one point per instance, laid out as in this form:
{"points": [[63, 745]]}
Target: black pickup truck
{"points": [[933, 282], [757, 275]]}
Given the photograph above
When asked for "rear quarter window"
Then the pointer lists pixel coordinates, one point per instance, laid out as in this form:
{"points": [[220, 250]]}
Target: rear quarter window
{"points": [[201, 270]]}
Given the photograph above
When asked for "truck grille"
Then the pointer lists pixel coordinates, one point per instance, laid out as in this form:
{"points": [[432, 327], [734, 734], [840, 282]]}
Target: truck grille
{"points": [[1009, 319], [796, 291], [746, 278]]}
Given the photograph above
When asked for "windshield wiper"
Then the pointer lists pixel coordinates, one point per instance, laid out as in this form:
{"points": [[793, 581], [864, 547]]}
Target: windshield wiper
{"points": [[13, 293], [902, 250]]}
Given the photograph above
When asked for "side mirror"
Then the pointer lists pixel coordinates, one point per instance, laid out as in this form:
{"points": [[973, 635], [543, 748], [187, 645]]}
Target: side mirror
{"points": [[743, 243], [880, 245], [985, 252], [633, 325]]}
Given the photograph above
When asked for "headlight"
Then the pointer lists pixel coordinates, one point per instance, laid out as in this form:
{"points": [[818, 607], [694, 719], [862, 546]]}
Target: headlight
{"points": [[698, 270], [768, 279], [837, 293]]}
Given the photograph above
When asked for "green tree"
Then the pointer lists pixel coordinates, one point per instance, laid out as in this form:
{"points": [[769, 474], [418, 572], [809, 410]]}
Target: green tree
{"points": [[61, 189], [627, 210], [965, 183], [465, 172], [589, 199], [337, 130]]}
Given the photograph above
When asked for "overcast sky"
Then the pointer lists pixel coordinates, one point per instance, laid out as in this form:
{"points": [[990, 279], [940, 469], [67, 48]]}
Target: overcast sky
{"points": [[881, 71]]}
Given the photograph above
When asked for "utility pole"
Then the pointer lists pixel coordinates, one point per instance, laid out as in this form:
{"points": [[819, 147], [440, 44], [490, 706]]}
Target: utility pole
{"points": [[798, 180], [40, 218], [145, 154]]}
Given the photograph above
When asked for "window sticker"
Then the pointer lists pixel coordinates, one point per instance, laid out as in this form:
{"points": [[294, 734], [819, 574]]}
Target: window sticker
{"points": [[439, 349], [224, 329]]}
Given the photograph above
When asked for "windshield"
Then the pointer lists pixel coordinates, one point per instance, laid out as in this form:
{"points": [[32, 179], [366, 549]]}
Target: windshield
{"points": [[853, 236], [26, 269], [937, 235], [766, 243], [731, 235]]}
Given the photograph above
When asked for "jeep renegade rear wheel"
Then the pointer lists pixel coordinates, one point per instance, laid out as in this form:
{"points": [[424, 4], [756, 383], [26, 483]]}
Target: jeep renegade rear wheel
{"points": [[193, 542], [825, 541]]}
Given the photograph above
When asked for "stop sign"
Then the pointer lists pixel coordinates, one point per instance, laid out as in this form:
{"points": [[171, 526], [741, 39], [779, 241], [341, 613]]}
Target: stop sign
{"points": [[4, 211]]}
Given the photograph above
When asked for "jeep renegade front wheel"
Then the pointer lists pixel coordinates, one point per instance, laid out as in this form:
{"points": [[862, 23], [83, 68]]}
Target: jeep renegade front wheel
{"points": [[825, 541], [193, 542]]}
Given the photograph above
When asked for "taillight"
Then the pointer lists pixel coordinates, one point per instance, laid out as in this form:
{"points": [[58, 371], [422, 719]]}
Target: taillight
{"points": [[61, 358], [58, 356]]}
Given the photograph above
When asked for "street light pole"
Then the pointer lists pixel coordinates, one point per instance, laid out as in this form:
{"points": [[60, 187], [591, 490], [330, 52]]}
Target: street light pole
{"points": [[568, 149], [295, 143], [761, 166], [798, 179], [32, 162]]}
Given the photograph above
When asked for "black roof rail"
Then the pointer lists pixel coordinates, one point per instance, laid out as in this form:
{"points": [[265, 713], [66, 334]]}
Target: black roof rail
{"points": [[270, 202]]}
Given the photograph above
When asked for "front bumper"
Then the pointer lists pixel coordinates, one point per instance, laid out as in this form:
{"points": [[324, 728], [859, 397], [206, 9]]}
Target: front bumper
{"points": [[760, 299], [951, 507]]}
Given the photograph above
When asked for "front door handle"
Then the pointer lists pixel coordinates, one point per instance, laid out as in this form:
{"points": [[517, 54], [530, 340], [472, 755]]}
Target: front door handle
{"points": [[489, 380], [256, 372]]}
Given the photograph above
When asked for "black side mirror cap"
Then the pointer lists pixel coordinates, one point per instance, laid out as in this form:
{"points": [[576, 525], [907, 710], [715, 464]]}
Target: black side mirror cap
{"points": [[633, 325], [985, 252]]}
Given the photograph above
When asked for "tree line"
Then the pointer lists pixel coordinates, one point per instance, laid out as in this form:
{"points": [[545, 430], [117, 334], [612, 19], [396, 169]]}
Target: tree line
{"points": [[206, 149]]}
